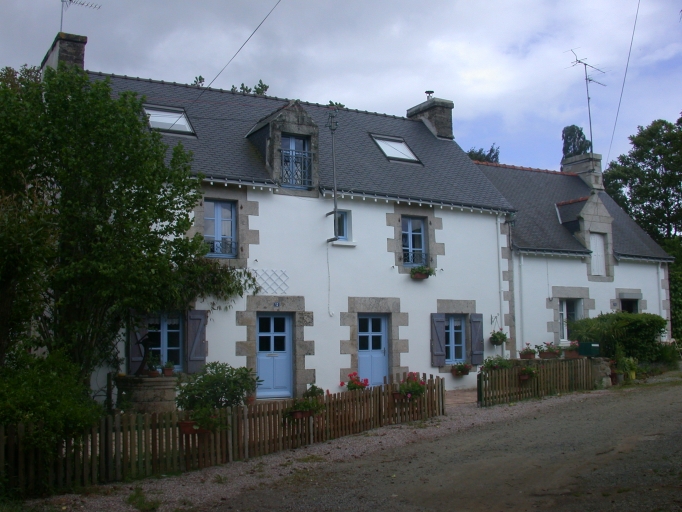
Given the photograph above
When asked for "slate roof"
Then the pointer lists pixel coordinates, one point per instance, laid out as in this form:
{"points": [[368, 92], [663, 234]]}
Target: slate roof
{"points": [[536, 194], [222, 119]]}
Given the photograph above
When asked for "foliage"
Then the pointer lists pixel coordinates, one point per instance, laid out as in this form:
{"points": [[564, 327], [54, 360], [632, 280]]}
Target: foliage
{"points": [[669, 356], [638, 333], [498, 337], [306, 404], [573, 347], [422, 269], [627, 364], [336, 104], [673, 246], [313, 391], [46, 391], [462, 368], [354, 382], [216, 386], [496, 363], [260, 88], [412, 386], [548, 347], [575, 142], [198, 81], [153, 361], [481, 155], [528, 350], [110, 209], [528, 370]]}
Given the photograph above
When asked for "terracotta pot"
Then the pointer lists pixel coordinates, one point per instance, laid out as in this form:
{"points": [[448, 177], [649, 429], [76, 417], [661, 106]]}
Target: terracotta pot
{"points": [[419, 275], [153, 373], [523, 376], [457, 373], [548, 355], [571, 354], [191, 427], [526, 356], [397, 395], [298, 415], [168, 372]]}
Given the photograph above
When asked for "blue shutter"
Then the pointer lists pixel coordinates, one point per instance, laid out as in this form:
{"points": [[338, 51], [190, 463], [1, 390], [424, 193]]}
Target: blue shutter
{"points": [[476, 320], [437, 339]]}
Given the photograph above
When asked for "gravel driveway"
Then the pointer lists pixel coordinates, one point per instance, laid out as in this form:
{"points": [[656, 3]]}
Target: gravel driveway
{"points": [[606, 450]]}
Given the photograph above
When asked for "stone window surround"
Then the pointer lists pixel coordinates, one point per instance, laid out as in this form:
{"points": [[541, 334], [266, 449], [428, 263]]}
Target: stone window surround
{"points": [[294, 305], [389, 306], [244, 209], [632, 293], [457, 307], [567, 292], [395, 244]]}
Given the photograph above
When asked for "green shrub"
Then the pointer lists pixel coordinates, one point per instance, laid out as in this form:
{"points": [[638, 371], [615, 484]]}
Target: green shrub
{"points": [[668, 355], [638, 334], [47, 391], [496, 363]]}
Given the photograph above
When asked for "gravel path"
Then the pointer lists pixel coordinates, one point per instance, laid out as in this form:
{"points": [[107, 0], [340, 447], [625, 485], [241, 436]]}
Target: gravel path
{"points": [[534, 454]]}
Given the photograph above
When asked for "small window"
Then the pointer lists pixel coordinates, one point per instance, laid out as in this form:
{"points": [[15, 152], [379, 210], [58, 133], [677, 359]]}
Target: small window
{"points": [[629, 305], [220, 229], [173, 121], [343, 225], [165, 338], [455, 336], [568, 312], [414, 241], [296, 162], [396, 149]]}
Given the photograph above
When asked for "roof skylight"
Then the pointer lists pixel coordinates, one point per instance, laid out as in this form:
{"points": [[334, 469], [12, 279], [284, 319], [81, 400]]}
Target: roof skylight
{"points": [[168, 120], [395, 149]]}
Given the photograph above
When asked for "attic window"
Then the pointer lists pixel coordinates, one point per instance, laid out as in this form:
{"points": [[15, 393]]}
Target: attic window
{"points": [[395, 149], [168, 120]]}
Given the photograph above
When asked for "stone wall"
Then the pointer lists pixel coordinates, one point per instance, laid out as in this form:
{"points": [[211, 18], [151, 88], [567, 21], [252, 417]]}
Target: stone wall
{"points": [[147, 394]]}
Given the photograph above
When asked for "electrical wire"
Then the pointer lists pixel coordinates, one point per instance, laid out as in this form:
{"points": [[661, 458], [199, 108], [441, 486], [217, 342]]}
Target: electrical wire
{"points": [[623, 86]]}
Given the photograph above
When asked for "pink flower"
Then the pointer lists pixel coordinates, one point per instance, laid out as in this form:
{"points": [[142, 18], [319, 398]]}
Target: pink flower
{"points": [[342, 384]]}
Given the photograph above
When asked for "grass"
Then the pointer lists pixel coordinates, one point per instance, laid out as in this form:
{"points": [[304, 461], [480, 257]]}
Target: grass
{"points": [[311, 458], [138, 500]]}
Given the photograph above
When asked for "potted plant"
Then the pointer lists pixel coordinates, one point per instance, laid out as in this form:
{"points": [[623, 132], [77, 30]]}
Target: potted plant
{"points": [[460, 369], [410, 387], [548, 350], [309, 405], [628, 365], [422, 272], [168, 369], [496, 363], [527, 352], [527, 372], [217, 386], [153, 363], [355, 382], [498, 337], [571, 352]]}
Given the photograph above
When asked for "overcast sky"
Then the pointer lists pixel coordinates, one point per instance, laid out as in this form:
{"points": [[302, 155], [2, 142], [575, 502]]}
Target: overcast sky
{"points": [[504, 63]]}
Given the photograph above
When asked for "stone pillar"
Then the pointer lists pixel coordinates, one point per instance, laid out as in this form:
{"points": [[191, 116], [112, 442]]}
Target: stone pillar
{"points": [[146, 394]]}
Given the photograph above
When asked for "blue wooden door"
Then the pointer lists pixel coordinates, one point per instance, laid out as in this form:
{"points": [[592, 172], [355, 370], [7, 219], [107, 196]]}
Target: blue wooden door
{"points": [[372, 349], [274, 356]]}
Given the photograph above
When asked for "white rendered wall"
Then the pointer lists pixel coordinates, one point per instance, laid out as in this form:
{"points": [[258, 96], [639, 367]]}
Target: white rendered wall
{"points": [[292, 237]]}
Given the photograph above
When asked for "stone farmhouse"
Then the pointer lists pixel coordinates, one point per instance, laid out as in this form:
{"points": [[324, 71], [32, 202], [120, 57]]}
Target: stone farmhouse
{"points": [[513, 248]]}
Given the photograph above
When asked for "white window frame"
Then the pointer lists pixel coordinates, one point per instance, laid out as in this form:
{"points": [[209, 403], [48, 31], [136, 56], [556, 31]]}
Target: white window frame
{"points": [[408, 233], [395, 149], [178, 122], [218, 217], [450, 338], [564, 316], [162, 350], [598, 248]]}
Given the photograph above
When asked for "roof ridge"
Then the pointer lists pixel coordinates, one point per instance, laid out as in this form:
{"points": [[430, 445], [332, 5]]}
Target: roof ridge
{"points": [[572, 201], [520, 168]]}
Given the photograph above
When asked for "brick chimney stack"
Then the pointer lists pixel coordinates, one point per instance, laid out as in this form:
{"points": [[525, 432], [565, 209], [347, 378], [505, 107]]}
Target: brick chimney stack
{"points": [[436, 114], [66, 48]]}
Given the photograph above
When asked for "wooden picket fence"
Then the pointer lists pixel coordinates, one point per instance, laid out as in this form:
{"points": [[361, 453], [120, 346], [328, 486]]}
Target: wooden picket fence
{"points": [[129, 446], [554, 376]]}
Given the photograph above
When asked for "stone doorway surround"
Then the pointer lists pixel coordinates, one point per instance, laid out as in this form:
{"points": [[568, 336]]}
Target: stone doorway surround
{"points": [[389, 306], [301, 318], [567, 292]]}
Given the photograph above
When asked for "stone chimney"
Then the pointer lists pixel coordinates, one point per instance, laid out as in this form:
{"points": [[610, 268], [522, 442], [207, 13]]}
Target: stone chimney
{"points": [[66, 48], [587, 166], [436, 114]]}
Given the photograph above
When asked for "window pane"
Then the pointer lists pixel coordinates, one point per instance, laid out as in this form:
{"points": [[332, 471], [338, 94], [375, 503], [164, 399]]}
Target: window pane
{"points": [[155, 340], [341, 225], [364, 324], [264, 324], [174, 357], [155, 353], [173, 322], [209, 210], [376, 324], [459, 352], [226, 229], [448, 357], [264, 343], [363, 342], [286, 142], [173, 339], [395, 149], [376, 342], [168, 120], [209, 228], [280, 343], [280, 324]]}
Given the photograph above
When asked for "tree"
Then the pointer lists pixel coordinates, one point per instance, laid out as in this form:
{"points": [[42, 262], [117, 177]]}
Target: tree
{"points": [[336, 104], [481, 155], [118, 211], [198, 81], [260, 88], [575, 142]]}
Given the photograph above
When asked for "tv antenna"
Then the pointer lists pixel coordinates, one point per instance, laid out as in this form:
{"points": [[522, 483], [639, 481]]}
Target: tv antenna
{"points": [[588, 79], [67, 3]]}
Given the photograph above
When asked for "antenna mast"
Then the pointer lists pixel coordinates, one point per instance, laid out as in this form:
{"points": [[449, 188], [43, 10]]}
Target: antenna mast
{"points": [[333, 124], [67, 3], [588, 79]]}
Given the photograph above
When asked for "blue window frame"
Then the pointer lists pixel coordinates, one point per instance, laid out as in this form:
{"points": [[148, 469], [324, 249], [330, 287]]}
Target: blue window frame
{"points": [[220, 228], [165, 337], [342, 225], [455, 339], [414, 241], [296, 162]]}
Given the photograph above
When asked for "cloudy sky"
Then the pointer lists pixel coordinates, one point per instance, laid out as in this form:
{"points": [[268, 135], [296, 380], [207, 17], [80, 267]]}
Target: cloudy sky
{"points": [[504, 63]]}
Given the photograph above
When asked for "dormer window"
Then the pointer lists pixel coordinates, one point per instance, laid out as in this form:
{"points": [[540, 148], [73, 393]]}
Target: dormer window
{"points": [[296, 162], [169, 120], [395, 149]]}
